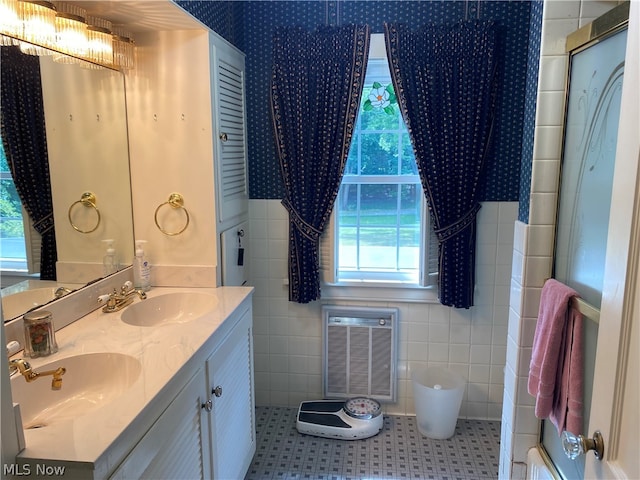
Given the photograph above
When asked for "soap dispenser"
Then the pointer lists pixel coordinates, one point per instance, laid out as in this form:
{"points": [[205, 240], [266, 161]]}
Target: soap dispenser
{"points": [[110, 261], [141, 268]]}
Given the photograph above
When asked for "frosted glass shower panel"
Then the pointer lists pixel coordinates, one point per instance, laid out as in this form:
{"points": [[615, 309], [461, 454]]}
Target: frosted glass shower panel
{"points": [[591, 131]]}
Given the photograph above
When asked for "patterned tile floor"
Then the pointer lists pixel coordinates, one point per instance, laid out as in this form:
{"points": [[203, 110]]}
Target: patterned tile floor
{"points": [[399, 451]]}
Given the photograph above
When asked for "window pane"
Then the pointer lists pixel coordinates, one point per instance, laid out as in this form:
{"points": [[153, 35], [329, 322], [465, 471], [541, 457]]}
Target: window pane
{"points": [[410, 204], [379, 154], [409, 249], [13, 252], [351, 167], [348, 204], [379, 118], [378, 248], [348, 248], [377, 202], [409, 166]]}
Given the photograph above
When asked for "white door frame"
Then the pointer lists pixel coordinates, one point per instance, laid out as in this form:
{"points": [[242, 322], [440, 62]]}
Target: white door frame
{"points": [[614, 409]]}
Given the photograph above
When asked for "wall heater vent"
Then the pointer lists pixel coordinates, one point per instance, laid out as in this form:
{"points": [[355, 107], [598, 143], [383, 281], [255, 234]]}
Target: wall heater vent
{"points": [[359, 352]]}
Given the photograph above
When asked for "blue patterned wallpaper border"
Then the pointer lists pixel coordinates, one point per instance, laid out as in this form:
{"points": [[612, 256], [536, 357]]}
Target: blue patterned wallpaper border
{"points": [[250, 25], [531, 96]]}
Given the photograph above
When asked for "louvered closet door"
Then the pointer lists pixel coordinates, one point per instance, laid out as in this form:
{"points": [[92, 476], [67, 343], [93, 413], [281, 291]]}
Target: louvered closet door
{"points": [[231, 150], [232, 418]]}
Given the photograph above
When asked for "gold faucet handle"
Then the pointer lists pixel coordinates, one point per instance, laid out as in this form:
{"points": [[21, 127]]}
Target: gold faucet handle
{"points": [[126, 287], [20, 364]]}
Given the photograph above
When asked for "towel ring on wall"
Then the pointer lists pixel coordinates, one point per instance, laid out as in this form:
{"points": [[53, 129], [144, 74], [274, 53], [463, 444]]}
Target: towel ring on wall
{"points": [[88, 199], [175, 201]]}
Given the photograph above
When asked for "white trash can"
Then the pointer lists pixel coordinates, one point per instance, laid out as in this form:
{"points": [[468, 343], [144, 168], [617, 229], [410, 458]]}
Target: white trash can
{"points": [[437, 395]]}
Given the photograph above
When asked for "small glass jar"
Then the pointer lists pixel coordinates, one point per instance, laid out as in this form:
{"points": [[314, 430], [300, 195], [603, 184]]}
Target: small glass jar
{"points": [[39, 335]]}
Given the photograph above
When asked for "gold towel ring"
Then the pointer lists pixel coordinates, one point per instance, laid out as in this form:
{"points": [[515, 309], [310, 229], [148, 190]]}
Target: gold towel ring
{"points": [[88, 199], [175, 201]]}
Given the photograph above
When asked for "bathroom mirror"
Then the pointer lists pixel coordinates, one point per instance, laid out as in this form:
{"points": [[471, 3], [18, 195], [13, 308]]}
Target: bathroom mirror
{"points": [[87, 144]]}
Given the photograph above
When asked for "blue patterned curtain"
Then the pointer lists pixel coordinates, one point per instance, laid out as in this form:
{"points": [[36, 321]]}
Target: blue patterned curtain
{"points": [[445, 80], [25, 144], [317, 80]]}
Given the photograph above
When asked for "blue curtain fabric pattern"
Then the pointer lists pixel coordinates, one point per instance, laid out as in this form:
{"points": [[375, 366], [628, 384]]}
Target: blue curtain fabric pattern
{"points": [[445, 80], [25, 142], [316, 84]]}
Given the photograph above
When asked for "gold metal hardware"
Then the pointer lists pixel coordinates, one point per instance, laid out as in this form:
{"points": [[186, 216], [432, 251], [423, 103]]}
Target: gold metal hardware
{"points": [[24, 368], [175, 201], [217, 391], [117, 301], [88, 199], [609, 22]]}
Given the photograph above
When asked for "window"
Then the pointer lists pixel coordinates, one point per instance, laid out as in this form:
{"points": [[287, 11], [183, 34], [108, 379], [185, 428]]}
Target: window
{"points": [[13, 251], [377, 232]]}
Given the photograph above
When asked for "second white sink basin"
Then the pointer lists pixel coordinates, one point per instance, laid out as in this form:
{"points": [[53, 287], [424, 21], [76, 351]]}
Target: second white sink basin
{"points": [[91, 380], [17, 303], [177, 307]]}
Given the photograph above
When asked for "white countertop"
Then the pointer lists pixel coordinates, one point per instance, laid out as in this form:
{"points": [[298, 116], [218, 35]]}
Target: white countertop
{"points": [[102, 438]]}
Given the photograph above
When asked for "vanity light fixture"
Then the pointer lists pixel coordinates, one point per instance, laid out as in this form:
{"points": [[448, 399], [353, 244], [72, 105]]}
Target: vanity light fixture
{"points": [[9, 21], [65, 31], [71, 33], [123, 49], [100, 40], [38, 26]]}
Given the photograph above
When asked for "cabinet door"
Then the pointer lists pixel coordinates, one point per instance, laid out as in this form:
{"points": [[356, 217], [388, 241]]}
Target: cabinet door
{"points": [[230, 375], [177, 445], [229, 117]]}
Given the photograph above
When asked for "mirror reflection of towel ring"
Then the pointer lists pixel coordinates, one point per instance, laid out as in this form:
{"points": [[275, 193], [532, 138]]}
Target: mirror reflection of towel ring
{"points": [[175, 201], [88, 199]]}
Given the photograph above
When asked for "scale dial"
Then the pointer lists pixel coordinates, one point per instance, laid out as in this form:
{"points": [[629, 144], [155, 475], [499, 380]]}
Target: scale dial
{"points": [[362, 408]]}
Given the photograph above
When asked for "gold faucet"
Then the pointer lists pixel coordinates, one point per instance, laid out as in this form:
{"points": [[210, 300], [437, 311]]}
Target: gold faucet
{"points": [[24, 368], [62, 291], [118, 300]]}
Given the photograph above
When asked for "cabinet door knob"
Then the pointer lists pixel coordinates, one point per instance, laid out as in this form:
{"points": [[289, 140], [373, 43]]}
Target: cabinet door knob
{"points": [[217, 391], [223, 137], [208, 405]]}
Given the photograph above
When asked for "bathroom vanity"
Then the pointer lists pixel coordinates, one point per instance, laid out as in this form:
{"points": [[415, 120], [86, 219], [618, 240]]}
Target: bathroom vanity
{"points": [[160, 389]]}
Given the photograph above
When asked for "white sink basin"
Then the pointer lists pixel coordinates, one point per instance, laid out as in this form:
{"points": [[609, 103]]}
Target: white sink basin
{"points": [[91, 381], [177, 307]]}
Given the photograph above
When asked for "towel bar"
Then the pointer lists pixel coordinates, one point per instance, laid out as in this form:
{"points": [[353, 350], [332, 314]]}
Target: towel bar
{"points": [[586, 309]]}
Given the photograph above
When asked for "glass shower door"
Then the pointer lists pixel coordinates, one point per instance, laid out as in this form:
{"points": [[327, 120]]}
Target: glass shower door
{"points": [[590, 137]]}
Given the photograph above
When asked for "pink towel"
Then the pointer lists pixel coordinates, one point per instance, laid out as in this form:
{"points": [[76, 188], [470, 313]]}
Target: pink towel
{"points": [[556, 369]]}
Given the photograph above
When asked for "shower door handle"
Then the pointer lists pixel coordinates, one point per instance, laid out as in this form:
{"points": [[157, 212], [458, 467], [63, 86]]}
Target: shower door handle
{"points": [[576, 445]]}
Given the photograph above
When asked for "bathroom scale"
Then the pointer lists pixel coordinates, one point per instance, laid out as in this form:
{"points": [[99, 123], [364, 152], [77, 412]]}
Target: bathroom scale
{"points": [[351, 419]]}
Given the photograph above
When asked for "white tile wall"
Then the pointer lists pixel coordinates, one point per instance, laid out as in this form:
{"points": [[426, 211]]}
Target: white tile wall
{"points": [[288, 336], [533, 242]]}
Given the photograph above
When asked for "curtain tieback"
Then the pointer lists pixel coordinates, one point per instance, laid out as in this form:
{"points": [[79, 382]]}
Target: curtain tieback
{"points": [[459, 225], [44, 224], [305, 228]]}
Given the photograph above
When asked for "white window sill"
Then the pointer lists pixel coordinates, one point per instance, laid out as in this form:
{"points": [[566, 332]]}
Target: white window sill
{"points": [[379, 292]]}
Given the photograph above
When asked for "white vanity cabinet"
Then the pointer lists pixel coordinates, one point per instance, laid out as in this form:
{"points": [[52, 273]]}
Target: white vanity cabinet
{"points": [[208, 430], [177, 445], [232, 417]]}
